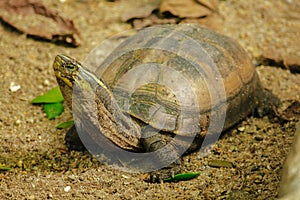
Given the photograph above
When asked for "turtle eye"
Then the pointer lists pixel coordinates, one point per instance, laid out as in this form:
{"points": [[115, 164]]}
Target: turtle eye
{"points": [[70, 67]]}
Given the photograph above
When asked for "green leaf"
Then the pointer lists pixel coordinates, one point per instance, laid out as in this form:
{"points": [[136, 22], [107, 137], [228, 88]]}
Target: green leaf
{"points": [[52, 96], [53, 102], [4, 168], [182, 177], [67, 124], [53, 109]]}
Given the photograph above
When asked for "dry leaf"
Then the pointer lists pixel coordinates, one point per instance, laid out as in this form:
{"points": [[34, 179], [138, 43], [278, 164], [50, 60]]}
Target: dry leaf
{"points": [[292, 62], [153, 20], [211, 4], [273, 57], [213, 21], [140, 9], [292, 111], [187, 8], [146, 13], [34, 19]]}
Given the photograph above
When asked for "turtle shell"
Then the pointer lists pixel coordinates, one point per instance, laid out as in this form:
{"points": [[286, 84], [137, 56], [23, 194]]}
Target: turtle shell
{"points": [[183, 79]]}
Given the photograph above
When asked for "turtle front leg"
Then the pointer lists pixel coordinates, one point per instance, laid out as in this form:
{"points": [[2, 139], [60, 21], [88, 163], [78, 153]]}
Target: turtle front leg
{"points": [[163, 154], [73, 141]]}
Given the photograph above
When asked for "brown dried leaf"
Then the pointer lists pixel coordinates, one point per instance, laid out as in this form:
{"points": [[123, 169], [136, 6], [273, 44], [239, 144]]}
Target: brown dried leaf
{"points": [[211, 4], [144, 13], [140, 9], [153, 20], [187, 8], [292, 111], [292, 62], [273, 57], [34, 19], [213, 21]]}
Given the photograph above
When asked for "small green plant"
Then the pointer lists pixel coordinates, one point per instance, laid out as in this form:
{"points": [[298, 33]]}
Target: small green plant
{"points": [[52, 102], [182, 177]]}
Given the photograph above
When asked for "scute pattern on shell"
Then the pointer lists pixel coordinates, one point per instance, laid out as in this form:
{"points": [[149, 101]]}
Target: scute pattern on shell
{"points": [[169, 74]]}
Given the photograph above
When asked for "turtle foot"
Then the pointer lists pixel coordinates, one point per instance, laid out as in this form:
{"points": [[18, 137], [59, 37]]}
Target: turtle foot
{"points": [[159, 176], [72, 140]]}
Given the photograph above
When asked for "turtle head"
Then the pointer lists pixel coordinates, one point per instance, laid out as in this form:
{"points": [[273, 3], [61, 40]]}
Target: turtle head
{"points": [[66, 70], [71, 74], [73, 77]]}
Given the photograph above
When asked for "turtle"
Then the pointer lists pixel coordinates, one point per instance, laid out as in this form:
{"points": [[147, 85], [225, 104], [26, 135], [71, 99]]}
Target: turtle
{"points": [[162, 91]]}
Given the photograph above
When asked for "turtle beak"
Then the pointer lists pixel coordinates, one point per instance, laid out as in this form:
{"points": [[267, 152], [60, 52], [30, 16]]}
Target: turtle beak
{"points": [[61, 60], [66, 81], [58, 61]]}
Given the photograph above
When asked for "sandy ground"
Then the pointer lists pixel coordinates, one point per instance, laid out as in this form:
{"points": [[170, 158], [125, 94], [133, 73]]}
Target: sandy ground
{"points": [[43, 168]]}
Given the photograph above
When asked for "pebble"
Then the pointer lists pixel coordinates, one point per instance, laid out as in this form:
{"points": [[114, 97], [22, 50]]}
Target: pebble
{"points": [[20, 163], [17, 122], [241, 129], [71, 177], [124, 176], [46, 82], [67, 188], [14, 87]]}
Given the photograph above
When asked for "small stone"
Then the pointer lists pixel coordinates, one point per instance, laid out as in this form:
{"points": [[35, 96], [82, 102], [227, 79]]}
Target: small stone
{"points": [[50, 196], [46, 82], [14, 87], [241, 129], [17, 122], [71, 177], [20, 163], [124, 176], [67, 188]]}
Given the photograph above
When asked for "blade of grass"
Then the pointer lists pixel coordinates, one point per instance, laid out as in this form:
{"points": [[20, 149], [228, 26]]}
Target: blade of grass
{"points": [[4, 168], [182, 177]]}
